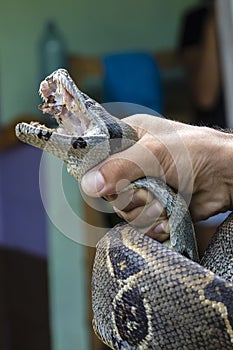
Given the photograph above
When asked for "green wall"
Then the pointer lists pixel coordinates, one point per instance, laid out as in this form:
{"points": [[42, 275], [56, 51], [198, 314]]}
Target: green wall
{"points": [[89, 27]]}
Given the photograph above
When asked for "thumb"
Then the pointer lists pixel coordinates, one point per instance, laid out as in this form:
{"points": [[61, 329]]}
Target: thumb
{"points": [[119, 170]]}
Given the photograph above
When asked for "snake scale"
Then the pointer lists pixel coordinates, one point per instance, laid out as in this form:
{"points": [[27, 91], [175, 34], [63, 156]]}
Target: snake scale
{"points": [[145, 295]]}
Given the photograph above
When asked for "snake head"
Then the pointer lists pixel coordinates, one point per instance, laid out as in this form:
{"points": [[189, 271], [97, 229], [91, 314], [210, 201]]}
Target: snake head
{"points": [[85, 129]]}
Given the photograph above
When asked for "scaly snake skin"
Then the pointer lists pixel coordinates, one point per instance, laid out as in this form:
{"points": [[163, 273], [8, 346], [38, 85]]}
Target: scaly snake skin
{"points": [[145, 295]]}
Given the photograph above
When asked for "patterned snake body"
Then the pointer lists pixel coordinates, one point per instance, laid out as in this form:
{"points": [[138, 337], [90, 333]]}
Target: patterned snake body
{"points": [[144, 294]]}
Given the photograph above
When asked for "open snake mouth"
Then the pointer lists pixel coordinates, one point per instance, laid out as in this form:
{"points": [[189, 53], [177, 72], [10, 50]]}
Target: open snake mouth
{"points": [[67, 104], [74, 111]]}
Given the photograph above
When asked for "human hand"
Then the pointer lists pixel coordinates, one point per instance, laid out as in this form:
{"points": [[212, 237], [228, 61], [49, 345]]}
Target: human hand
{"points": [[193, 160]]}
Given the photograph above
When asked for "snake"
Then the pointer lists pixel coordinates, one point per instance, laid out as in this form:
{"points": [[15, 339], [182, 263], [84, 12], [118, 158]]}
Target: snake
{"points": [[145, 294]]}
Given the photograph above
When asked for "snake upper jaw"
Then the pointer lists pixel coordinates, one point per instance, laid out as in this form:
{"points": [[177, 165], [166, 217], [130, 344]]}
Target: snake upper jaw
{"points": [[70, 107]]}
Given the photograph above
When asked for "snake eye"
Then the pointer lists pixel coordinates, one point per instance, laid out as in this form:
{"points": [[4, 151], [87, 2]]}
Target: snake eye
{"points": [[78, 143]]}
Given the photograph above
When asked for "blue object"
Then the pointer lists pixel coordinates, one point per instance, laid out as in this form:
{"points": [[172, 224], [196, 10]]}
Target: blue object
{"points": [[132, 77]]}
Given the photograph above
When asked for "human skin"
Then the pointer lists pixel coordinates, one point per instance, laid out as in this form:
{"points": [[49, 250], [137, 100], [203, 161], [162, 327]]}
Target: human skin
{"points": [[194, 160]]}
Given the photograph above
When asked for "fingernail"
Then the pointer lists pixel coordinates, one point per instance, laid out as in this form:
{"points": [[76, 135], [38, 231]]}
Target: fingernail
{"points": [[93, 182], [154, 210]]}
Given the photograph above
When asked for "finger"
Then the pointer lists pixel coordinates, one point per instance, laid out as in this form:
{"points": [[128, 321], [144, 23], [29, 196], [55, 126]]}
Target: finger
{"points": [[160, 232], [144, 216], [122, 168], [128, 200]]}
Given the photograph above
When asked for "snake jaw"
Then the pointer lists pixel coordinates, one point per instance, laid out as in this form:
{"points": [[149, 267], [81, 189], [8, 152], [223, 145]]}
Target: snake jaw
{"points": [[63, 101], [79, 153], [40, 136], [66, 103]]}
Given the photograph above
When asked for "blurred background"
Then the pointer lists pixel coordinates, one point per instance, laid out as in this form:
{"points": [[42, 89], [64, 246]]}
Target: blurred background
{"points": [[147, 53]]}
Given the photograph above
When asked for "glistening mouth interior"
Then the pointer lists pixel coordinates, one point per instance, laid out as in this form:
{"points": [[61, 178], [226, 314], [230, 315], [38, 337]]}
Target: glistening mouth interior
{"points": [[72, 117]]}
